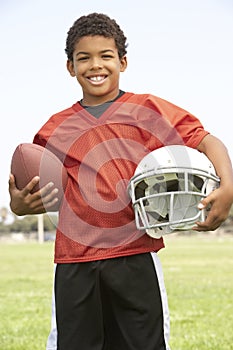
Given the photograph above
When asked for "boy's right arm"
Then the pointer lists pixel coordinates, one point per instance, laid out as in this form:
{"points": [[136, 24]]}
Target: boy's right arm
{"points": [[22, 202]]}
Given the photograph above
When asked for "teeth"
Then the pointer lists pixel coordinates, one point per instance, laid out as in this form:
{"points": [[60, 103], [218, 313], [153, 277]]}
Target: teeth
{"points": [[97, 78]]}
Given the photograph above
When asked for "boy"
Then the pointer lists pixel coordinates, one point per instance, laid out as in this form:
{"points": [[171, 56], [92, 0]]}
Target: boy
{"points": [[109, 287]]}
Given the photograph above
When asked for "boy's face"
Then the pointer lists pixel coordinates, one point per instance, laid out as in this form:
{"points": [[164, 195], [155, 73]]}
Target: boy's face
{"points": [[97, 66]]}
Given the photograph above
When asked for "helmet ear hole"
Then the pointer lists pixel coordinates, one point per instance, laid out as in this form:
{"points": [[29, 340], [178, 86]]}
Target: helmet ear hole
{"points": [[167, 186]]}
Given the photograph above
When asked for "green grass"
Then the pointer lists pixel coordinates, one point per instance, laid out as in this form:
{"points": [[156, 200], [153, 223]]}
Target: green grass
{"points": [[26, 272], [199, 281], [198, 273]]}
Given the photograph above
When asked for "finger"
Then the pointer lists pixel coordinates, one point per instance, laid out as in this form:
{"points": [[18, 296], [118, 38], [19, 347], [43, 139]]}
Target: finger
{"points": [[30, 186], [205, 202], [201, 227], [52, 205], [51, 201], [38, 207], [41, 193], [45, 195], [11, 182], [210, 224], [47, 190], [51, 197], [44, 199], [11, 178]]}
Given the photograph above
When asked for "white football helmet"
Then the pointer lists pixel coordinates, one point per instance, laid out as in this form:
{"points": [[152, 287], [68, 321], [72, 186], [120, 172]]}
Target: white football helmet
{"points": [[167, 186]]}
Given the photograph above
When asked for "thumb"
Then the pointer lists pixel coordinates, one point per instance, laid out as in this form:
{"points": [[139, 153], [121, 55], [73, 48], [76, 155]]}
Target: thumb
{"points": [[204, 203], [11, 180]]}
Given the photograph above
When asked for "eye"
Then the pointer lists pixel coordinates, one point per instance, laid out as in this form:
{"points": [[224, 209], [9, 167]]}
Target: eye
{"points": [[107, 56], [83, 58]]}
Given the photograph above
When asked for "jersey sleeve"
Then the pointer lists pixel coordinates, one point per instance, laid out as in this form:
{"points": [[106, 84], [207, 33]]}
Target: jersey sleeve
{"points": [[189, 127]]}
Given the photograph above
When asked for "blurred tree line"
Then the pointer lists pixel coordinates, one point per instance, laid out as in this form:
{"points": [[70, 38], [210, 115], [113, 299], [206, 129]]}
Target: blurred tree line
{"points": [[11, 223]]}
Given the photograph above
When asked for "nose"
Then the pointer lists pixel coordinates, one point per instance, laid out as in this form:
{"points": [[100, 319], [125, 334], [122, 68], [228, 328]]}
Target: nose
{"points": [[96, 63]]}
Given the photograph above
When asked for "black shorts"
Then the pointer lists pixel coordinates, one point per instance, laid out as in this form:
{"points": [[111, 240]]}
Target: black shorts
{"points": [[114, 304]]}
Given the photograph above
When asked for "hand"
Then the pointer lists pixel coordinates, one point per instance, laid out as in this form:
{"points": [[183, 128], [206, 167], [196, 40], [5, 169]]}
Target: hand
{"points": [[23, 202], [220, 201]]}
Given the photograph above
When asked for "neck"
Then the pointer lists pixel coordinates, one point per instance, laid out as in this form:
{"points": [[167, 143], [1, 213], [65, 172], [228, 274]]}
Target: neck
{"points": [[99, 100]]}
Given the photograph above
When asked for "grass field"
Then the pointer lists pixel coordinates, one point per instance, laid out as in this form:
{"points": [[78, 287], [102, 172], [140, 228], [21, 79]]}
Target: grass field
{"points": [[198, 275]]}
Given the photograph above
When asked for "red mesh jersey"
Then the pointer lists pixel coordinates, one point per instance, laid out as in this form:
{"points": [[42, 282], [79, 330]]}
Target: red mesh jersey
{"points": [[96, 220]]}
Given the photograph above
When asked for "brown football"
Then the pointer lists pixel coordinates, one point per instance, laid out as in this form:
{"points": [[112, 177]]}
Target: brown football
{"points": [[30, 160]]}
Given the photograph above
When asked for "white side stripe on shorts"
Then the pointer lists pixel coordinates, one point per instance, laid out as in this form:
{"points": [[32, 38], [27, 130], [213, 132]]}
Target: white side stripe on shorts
{"points": [[166, 317], [52, 338]]}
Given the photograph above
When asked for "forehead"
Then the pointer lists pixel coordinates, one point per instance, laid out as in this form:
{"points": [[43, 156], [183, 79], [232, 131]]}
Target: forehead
{"points": [[95, 43]]}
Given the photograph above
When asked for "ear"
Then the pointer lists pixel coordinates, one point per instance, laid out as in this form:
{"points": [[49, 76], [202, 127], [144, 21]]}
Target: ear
{"points": [[123, 63], [70, 68]]}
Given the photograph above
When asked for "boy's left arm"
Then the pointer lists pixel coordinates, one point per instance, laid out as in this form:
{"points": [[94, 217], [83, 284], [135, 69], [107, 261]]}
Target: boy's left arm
{"points": [[220, 199]]}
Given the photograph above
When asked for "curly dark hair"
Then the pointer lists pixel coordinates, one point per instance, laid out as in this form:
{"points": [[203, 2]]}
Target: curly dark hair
{"points": [[91, 25]]}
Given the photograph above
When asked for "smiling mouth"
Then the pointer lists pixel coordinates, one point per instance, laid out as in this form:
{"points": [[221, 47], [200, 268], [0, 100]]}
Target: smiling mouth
{"points": [[97, 78]]}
